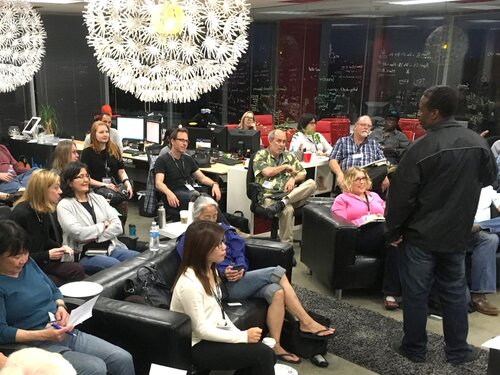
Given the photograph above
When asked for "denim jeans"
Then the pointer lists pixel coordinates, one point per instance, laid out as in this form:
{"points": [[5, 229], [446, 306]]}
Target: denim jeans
{"points": [[483, 246], [91, 355], [261, 283], [100, 262], [419, 271], [491, 225], [21, 180]]}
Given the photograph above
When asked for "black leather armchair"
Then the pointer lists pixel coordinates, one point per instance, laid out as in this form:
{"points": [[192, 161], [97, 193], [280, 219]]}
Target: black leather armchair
{"points": [[154, 335], [329, 250]]}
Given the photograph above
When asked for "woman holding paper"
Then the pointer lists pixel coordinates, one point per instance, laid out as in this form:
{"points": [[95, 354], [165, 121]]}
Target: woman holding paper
{"points": [[27, 295], [365, 209]]}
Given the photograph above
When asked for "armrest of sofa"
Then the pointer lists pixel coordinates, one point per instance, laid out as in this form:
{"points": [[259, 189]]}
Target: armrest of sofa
{"points": [[150, 334], [264, 253], [327, 241]]}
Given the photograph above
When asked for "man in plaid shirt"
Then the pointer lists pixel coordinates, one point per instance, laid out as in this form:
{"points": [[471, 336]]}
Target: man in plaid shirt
{"points": [[279, 171], [357, 150]]}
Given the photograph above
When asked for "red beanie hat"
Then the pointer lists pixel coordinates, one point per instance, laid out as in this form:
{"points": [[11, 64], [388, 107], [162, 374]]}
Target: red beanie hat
{"points": [[106, 109]]}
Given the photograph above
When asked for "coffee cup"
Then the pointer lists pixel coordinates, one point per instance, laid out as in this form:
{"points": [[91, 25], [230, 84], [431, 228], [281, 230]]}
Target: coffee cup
{"points": [[307, 157], [184, 216], [269, 341]]}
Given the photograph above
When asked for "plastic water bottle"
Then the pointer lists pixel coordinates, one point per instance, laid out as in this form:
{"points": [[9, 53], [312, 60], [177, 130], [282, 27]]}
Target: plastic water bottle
{"points": [[154, 237], [11, 170], [162, 219]]}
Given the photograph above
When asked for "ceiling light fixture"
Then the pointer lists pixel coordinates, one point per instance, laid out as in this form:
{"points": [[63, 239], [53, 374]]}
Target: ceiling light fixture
{"points": [[418, 2], [21, 44], [172, 64]]}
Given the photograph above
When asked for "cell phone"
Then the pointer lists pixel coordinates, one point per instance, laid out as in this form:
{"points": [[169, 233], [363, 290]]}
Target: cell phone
{"points": [[237, 268]]}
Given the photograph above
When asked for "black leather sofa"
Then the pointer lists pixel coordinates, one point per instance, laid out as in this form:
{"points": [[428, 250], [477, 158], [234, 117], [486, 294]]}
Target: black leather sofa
{"points": [[328, 250], [155, 335]]}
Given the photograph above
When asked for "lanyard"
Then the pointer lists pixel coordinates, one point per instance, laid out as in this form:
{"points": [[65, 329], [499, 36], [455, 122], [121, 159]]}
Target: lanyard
{"points": [[217, 293], [367, 202], [181, 171]]}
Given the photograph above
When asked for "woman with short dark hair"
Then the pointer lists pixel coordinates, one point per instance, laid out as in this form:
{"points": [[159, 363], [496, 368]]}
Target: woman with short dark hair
{"points": [[308, 139]]}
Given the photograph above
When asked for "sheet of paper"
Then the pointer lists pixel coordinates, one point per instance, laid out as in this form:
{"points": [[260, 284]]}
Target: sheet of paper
{"points": [[493, 343], [165, 370], [82, 313]]}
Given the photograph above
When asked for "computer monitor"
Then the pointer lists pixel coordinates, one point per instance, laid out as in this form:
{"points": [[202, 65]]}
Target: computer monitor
{"points": [[130, 128], [31, 126], [215, 136], [153, 131], [240, 140]]}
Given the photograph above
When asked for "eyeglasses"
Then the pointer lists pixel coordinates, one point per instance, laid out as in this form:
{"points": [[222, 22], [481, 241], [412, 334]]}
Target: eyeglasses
{"points": [[82, 176], [221, 242], [249, 118], [182, 140], [359, 179], [368, 126]]}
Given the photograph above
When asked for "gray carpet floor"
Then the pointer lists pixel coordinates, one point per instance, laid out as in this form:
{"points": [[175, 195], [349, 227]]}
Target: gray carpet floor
{"points": [[363, 337]]}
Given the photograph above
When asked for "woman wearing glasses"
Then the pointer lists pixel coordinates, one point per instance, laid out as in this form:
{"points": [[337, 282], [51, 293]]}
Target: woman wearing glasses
{"points": [[307, 138], [105, 163], [90, 225], [216, 342], [35, 213], [247, 121], [365, 209], [270, 283]]}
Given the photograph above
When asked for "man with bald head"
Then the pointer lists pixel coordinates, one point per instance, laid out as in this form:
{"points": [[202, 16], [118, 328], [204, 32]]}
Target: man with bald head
{"points": [[356, 150]]}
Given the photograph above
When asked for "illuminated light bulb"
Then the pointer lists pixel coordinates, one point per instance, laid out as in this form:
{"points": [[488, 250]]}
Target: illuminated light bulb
{"points": [[445, 45], [168, 18]]}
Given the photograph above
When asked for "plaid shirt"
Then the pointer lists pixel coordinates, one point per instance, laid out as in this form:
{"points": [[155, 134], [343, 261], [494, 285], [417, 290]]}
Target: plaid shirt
{"points": [[345, 149], [264, 159]]}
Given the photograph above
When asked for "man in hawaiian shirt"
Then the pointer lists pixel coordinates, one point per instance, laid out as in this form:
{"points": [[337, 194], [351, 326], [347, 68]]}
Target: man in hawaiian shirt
{"points": [[279, 171]]}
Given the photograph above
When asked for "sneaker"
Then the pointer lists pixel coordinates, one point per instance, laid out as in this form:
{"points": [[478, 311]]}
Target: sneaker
{"points": [[390, 303], [275, 209], [471, 356], [398, 348]]}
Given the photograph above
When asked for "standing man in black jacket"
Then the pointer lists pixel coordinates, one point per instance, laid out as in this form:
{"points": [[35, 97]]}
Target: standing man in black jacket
{"points": [[430, 210]]}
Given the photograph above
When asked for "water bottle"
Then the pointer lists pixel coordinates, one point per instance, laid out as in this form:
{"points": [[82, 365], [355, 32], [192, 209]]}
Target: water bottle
{"points": [[10, 171], [162, 220], [132, 230], [154, 237]]}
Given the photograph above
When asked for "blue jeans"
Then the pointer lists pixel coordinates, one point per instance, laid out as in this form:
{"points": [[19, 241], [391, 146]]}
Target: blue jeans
{"points": [[100, 262], [483, 246], [419, 271], [91, 355], [21, 180], [261, 283], [492, 225]]}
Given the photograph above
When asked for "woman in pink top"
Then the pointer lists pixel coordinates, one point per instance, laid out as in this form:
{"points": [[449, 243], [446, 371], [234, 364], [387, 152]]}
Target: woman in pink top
{"points": [[365, 209]]}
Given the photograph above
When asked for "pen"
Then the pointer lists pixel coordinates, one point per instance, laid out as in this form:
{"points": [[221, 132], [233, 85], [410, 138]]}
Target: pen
{"points": [[58, 327]]}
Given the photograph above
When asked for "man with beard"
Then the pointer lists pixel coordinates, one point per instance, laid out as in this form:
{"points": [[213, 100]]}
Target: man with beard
{"points": [[357, 150]]}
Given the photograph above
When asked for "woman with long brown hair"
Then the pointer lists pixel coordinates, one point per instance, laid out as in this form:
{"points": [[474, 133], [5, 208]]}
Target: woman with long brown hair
{"points": [[216, 342]]}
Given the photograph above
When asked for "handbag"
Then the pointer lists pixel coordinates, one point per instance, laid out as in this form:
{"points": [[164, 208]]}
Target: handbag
{"points": [[238, 220], [149, 286], [202, 158], [114, 197]]}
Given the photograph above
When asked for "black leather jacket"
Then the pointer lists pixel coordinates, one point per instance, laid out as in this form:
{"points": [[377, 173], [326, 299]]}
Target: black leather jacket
{"points": [[434, 193]]}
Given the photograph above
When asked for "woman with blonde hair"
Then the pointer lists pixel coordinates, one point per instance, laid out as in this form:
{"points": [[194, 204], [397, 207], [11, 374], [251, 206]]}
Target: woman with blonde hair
{"points": [[35, 213], [247, 121], [65, 153], [105, 164], [365, 209]]}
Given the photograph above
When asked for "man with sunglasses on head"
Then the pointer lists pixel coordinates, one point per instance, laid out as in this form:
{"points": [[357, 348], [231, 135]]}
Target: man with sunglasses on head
{"points": [[357, 150], [177, 176]]}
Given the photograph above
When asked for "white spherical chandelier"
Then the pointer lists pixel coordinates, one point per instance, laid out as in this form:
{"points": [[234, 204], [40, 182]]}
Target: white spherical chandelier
{"points": [[167, 50], [21, 43]]}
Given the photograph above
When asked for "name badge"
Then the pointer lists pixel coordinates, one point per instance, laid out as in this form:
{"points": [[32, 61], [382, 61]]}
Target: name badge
{"points": [[267, 185], [189, 187], [357, 156], [106, 180]]}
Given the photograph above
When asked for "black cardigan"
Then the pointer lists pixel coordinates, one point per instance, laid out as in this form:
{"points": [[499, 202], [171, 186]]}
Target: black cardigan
{"points": [[41, 235]]}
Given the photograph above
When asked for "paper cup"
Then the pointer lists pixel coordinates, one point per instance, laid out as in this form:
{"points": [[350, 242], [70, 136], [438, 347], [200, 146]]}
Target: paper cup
{"points": [[184, 216], [307, 157], [269, 341]]}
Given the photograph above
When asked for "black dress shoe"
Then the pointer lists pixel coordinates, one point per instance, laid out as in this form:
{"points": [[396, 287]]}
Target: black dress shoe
{"points": [[275, 209], [397, 347], [471, 356]]}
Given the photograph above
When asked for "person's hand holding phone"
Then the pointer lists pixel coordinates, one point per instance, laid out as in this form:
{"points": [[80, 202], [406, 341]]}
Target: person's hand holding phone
{"points": [[234, 273]]}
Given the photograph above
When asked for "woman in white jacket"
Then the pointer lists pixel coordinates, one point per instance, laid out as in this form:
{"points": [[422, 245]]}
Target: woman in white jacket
{"points": [[216, 342], [308, 139], [90, 225]]}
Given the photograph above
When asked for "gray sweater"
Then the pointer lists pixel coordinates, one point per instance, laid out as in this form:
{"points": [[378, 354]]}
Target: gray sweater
{"points": [[79, 228]]}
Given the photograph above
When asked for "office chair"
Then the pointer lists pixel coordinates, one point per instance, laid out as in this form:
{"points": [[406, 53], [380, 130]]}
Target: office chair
{"points": [[253, 191], [151, 195]]}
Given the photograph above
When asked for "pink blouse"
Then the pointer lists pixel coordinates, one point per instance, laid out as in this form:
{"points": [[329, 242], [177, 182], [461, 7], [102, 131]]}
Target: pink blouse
{"points": [[352, 208]]}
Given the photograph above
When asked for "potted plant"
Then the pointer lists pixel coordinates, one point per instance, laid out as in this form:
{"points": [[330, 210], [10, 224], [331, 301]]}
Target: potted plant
{"points": [[49, 119]]}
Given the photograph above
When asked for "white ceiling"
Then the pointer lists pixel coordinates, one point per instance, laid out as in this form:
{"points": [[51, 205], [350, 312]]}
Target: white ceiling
{"points": [[285, 9]]}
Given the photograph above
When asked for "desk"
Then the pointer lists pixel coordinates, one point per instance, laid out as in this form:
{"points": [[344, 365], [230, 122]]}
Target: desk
{"points": [[237, 199]]}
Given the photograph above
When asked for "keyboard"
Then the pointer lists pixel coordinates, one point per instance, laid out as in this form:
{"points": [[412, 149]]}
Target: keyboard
{"points": [[228, 161], [133, 152]]}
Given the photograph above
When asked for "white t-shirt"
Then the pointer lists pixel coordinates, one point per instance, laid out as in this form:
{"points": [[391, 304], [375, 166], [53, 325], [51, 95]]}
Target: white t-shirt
{"points": [[488, 196]]}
